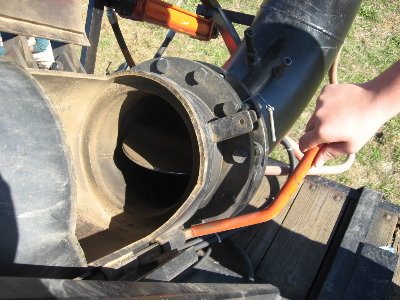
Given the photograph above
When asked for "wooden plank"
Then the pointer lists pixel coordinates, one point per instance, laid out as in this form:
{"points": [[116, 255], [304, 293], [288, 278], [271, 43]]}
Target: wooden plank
{"points": [[382, 228], [259, 243], [268, 188], [298, 249], [394, 211], [345, 218], [395, 288], [372, 275], [345, 260]]}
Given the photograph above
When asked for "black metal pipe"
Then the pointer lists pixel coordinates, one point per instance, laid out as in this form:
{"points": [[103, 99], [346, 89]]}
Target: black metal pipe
{"points": [[233, 16], [306, 33], [168, 39], [112, 18]]}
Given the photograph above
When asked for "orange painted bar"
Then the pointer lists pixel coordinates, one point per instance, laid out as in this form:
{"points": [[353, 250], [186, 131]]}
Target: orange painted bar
{"points": [[167, 15], [293, 182]]}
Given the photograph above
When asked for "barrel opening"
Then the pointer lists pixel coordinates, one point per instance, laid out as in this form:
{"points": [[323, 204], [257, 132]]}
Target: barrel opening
{"points": [[144, 158]]}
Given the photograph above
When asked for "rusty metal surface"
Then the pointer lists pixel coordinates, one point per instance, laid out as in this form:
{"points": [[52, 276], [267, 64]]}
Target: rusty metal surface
{"points": [[57, 20]]}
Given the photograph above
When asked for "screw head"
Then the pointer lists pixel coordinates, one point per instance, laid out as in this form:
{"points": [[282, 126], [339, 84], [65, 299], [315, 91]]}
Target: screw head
{"points": [[387, 217], [312, 187], [337, 198], [240, 155], [287, 61], [162, 65]]}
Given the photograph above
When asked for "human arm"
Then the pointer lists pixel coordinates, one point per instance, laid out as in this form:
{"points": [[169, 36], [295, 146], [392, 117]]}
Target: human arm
{"points": [[347, 115]]}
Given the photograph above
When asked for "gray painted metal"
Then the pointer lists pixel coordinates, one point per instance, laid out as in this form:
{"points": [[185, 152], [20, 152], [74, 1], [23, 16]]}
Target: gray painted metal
{"points": [[310, 34], [56, 20], [29, 288]]}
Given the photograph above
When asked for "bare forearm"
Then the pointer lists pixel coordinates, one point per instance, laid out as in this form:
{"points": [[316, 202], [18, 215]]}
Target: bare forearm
{"points": [[386, 88]]}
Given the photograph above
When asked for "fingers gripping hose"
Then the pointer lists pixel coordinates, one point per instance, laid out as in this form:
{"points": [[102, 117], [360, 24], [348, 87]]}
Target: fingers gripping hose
{"points": [[288, 189], [293, 148]]}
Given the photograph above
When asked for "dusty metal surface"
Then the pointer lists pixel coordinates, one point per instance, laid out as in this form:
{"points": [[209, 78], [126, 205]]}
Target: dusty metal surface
{"points": [[57, 20], [117, 202], [17, 48]]}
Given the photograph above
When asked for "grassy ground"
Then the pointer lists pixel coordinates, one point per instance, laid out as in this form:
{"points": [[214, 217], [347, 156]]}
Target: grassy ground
{"points": [[372, 45]]}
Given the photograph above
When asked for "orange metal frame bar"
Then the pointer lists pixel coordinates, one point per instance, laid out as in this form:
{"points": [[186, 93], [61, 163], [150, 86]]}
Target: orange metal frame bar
{"points": [[167, 15]]}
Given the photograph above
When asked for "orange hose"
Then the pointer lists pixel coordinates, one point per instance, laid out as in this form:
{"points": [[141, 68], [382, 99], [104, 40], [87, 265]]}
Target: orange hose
{"points": [[284, 169], [293, 182]]}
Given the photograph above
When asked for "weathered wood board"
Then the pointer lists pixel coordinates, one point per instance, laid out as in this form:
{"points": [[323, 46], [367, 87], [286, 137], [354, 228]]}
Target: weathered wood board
{"points": [[298, 249]]}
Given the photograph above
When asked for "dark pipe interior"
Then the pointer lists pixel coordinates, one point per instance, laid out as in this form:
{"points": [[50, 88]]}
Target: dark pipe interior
{"points": [[159, 134], [151, 196]]}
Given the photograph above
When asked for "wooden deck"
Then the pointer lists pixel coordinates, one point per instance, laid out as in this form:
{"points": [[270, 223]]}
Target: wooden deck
{"points": [[324, 244]]}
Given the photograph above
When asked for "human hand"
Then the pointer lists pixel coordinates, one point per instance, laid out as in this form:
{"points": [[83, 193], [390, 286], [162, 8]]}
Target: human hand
{"points": [[345, 118]]}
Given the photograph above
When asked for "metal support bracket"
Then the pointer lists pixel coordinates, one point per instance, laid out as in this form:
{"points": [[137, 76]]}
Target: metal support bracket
{"points": [[171, 240], [233, 16], [67, 55], [232, 126], [93, 26]]}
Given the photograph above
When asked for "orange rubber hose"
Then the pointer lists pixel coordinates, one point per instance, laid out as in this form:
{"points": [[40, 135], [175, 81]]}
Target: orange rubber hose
{"points": [[293, 182]]}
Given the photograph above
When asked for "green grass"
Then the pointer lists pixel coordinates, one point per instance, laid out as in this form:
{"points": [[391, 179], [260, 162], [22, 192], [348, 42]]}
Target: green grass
{"points": [[372, 45], [369, 12]]}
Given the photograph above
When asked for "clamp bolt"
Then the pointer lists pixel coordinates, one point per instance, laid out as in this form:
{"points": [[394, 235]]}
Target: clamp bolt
{"points": [[252, 56], [200, 75], [229, 108], [162, 65]]}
